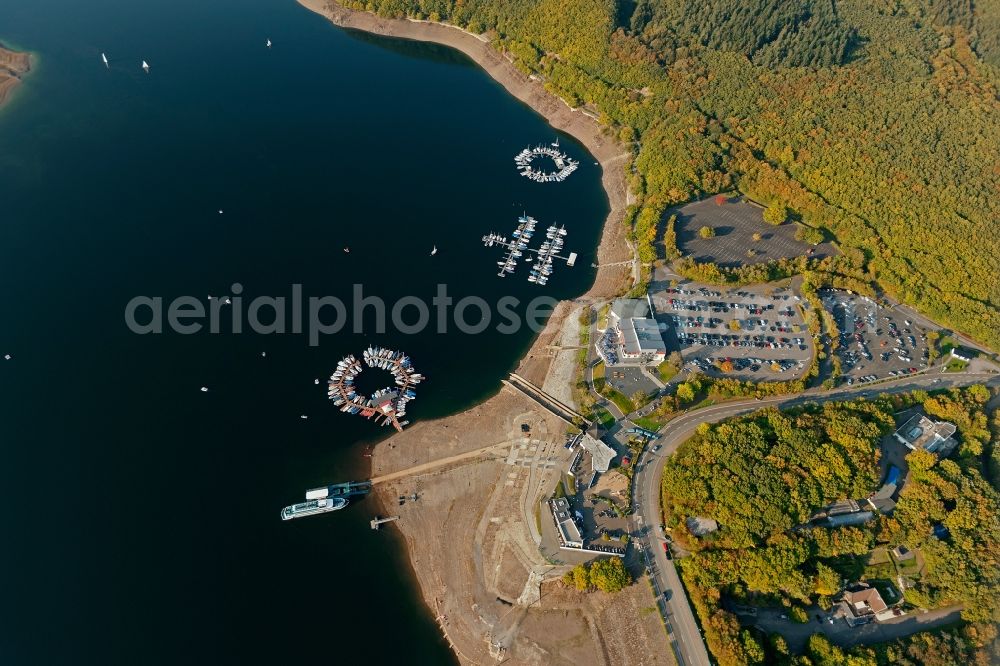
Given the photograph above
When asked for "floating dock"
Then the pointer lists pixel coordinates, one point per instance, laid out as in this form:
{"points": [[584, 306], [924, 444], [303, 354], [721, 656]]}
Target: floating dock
{"points": [[387, 405], [564, 164], [349, 489], [544, 257]]}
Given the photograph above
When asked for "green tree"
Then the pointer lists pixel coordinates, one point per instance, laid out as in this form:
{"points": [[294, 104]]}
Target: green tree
{"points": [[610, 574], [685, 392], [776, 214]]}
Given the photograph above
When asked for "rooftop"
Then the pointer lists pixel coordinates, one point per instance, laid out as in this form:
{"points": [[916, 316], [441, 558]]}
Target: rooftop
{"points": [[864, 600], [628, 308], [569, 533], [920, 432], [600, 453], [699, 526], [642, 336]]}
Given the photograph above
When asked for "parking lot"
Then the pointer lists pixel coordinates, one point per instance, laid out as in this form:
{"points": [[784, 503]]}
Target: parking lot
{"points": [[595, 502], [629, 379], [750, 333], [735, 221], [875, 342]]}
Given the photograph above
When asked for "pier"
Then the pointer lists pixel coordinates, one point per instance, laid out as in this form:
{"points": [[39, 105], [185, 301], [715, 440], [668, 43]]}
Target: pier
{"points": [[544, 255], [547, 401], [387, 405], [378, 521]]}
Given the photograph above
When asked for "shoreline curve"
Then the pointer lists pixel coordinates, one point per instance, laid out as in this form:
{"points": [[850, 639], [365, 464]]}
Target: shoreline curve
{"points": [[617, 271]]}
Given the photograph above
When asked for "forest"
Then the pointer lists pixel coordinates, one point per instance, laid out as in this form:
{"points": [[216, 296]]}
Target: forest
{"points": [[762, 476], [875, 123]]}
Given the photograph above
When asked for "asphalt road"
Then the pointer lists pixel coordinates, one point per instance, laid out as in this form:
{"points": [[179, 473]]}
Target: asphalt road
{"points": [[688, 643]]}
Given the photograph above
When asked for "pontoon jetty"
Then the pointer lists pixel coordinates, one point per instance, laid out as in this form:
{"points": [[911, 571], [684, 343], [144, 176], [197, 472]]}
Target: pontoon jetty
{"points": [[326, 499], [564, 165], [546, 253], [387, 404]]}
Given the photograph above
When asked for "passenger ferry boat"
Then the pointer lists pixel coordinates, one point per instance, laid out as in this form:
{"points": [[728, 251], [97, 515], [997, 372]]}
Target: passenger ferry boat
{"points": [[313, 507]]}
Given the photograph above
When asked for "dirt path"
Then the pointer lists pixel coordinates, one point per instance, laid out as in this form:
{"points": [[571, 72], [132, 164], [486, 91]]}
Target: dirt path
{"points": [[435, 464]]}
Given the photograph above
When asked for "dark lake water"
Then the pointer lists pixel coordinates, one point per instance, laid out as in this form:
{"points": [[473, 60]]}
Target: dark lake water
{"points": [[141, 514]]}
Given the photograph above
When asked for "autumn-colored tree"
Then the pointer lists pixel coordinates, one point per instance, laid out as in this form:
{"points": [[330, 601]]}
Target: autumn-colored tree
{"points": [[776, 214]]}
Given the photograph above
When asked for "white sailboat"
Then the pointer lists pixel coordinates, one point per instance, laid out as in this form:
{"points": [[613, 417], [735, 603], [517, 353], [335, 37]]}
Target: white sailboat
{"points": [[434, 250], [145, 66], [269, 43], [104, 59]]}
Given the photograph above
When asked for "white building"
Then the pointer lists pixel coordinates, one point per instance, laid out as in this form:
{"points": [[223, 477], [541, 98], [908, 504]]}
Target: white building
{"points": [[637, 333], [919, 432], [601, 454]]}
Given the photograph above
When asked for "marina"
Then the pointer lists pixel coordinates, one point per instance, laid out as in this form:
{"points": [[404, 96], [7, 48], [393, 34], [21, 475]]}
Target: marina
{"points": [[564, 164], [386, 405], [544, 256]]}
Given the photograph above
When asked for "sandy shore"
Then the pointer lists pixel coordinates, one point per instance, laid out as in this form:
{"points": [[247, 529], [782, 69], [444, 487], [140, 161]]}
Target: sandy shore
{"points": [[13, 66], [473, 535]]}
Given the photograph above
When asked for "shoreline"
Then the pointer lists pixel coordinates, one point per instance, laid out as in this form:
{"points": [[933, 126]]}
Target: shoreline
{"points": [[457, 572], [13, 66], [613, 246]]}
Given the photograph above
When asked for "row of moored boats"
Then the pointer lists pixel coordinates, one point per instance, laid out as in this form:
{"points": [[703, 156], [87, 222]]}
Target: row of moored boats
{"points": [[388, 403], [564, 164]]}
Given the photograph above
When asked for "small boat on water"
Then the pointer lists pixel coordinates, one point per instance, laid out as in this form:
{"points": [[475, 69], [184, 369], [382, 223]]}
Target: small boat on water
{"points": [[145, 66], [434, 250], [269, 43], [204, 389], [347, 250], [104, 59]]}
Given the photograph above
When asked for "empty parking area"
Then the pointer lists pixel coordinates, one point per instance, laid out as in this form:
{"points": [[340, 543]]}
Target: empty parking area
{"points": [[734, 223], [875, 342], [750, 333]]}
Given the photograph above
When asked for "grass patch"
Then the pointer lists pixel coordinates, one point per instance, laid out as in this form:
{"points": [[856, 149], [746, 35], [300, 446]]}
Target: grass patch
{"points": [[956, 365], [666, 371], [599, 371], [908, 567], [622, 401], [603, 417], [876, 571], [538, 517], [878, 556], [648, 422], [602, 317]]}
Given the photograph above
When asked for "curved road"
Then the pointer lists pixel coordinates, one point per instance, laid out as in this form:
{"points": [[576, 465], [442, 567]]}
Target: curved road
{"points": [[685, 636]]}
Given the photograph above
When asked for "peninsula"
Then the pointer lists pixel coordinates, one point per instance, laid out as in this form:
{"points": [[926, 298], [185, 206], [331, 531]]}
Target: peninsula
{"points": [[13, 66]]}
